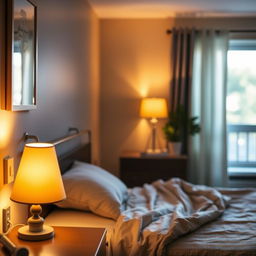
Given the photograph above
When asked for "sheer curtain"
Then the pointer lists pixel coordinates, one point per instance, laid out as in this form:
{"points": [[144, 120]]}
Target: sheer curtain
{"points": [[208, 161]]}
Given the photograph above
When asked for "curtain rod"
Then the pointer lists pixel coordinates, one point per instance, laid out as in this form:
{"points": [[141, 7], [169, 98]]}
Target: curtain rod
{"points": [[169, 31]]}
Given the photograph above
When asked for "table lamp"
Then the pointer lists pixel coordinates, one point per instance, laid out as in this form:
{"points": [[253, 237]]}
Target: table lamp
{"points": [[153, 108], [38, 181]]}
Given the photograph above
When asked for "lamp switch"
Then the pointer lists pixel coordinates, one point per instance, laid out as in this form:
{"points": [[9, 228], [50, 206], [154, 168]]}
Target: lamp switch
{"points": [[8, 170]]}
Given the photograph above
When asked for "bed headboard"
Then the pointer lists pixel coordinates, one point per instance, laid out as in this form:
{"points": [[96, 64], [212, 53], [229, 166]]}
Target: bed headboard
{"points": [[80, 153]]}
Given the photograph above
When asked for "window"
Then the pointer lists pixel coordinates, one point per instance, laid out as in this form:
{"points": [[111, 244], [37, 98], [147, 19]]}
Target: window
{"points": [[241, 107]]}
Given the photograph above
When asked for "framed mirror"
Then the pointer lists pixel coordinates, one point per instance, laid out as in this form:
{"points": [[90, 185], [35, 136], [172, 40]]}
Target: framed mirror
{"points": [[21, 55]]}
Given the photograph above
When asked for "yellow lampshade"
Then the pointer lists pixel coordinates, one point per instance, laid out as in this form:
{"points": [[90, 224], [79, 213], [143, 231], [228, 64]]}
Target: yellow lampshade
{"points": [[153, 108], [38, 180]]}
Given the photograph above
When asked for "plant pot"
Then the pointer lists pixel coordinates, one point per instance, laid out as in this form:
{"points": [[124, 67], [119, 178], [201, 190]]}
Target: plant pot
{"points": [[174, 148]]}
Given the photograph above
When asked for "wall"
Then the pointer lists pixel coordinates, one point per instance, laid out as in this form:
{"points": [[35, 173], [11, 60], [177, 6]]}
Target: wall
{"points": [[134, 64], [68, 84]]}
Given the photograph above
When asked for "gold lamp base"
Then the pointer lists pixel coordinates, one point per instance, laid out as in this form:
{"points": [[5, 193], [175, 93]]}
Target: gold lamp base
{"points": [[25, 234]]}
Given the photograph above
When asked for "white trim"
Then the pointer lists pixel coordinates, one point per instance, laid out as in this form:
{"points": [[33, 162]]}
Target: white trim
{"points": [[23, 107]]}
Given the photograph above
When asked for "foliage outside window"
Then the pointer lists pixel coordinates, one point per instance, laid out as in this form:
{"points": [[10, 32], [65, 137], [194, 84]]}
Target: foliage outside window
{"points": [[241, 87]]}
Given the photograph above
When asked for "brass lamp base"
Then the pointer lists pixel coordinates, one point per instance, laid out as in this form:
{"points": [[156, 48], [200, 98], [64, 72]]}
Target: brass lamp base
{"points": [[25, 234]]}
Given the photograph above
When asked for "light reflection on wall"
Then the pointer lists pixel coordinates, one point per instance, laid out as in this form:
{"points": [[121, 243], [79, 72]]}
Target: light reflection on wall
{"points": [[4, 201], [148, 81], [143, 90], [6, 128], [141, 131], [152, 82], [4, 197], [7, 124]]}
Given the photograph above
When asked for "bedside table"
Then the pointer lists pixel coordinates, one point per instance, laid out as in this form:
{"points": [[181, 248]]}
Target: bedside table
{"points": [[68, 241], [136, 170]]}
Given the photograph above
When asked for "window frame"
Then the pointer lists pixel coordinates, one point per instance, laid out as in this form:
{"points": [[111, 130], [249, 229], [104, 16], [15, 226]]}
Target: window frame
{"points": [[241, 41]]}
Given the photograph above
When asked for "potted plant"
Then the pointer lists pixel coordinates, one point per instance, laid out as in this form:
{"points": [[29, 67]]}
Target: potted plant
{"points": [[177, 126]]}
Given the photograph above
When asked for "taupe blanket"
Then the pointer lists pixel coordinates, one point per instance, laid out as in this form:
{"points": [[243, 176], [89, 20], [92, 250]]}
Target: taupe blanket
{"points": [[159, 213]]}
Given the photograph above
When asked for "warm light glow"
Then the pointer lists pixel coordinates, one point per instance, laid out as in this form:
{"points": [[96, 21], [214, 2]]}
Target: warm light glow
{"points": [[39, 145], [5, 197], [143, 91], [38, 180], [7, 124], [153, 108]]}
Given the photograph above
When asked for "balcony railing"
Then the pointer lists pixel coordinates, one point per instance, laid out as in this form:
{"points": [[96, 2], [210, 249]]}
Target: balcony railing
{"points": [[241, 145]]}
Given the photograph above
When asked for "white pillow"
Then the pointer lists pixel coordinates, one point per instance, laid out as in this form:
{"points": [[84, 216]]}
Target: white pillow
{"points": [[89, 187]]}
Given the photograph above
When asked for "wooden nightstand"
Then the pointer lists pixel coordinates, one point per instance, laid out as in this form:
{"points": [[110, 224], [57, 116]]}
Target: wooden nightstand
{"points": [[68, 241], [136, 170]]}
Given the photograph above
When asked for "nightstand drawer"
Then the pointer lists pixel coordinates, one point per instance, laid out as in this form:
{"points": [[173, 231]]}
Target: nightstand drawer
{"points": [[136, 170]]}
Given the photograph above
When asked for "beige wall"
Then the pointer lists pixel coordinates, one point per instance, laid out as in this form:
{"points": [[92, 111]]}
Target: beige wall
{"points": [[67, 84], [134, 64]]}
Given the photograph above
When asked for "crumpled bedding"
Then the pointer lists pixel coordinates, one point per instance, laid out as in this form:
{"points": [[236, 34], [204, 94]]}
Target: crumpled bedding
{"points": [[159, 213], [232, 234]]}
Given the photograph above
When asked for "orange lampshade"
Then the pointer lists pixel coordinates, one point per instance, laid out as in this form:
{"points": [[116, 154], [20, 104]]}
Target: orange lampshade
{"points": [[153, 108], [38, 180]]}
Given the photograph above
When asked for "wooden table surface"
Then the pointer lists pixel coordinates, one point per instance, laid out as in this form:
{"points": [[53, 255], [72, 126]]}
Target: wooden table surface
{"points": [[137, 154], [68, 241]]}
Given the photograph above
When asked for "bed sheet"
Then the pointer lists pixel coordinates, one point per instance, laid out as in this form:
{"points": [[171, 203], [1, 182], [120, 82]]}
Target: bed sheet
{"points": [[232, 234]]}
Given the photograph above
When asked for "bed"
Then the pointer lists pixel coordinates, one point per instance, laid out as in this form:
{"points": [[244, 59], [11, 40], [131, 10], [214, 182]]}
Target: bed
{"points": [[231, 232]]}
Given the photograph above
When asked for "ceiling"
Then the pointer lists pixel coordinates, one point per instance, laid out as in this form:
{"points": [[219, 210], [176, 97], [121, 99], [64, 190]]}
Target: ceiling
{"points": [[173, 8]]}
